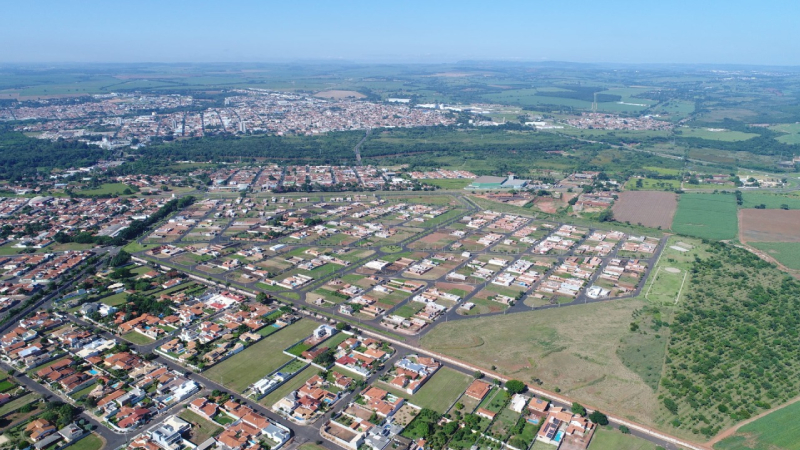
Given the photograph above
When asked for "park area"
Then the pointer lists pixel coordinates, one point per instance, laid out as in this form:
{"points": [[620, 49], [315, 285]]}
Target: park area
{"points": [[707, 216], [778, 430], [245, 368], [649, 208]]}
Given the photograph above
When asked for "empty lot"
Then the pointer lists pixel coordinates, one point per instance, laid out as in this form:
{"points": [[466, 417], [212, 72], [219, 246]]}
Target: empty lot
{"points": [[649, 208]]}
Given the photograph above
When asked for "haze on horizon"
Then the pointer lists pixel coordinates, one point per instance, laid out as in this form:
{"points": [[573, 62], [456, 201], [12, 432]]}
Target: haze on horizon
{"points": [[615, 31]]}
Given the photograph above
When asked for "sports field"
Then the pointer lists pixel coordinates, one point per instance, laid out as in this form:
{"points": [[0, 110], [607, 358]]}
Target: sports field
{"points": [[779, 430], [708, 216], [241, 370]]}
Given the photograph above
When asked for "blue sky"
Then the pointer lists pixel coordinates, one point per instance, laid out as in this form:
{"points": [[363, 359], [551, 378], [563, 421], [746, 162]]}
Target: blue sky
{"points": [[643, 31]]}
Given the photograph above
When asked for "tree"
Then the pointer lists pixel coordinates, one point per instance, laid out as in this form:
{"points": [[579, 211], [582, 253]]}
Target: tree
{"points": [[598, 418], [515, 386], [578, 409], [342, 326], [477, 374], [624, 430], [120, 258]]}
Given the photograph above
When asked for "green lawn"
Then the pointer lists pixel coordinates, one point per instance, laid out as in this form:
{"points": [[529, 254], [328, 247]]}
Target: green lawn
{"points": [[84, 391], [202, 428], [114, 300], [137, 338], [291, 385], [708, 216], [90, 442], [441, 390], [605, 439], [787, 253], [240, 371]]}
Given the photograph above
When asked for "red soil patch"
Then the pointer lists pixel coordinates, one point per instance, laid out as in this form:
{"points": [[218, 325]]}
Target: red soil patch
{"points": [[650, 208]]}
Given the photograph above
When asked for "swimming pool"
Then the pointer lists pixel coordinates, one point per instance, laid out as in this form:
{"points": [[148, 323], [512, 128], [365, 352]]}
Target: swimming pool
{"points": [[94, 372], [559, 435]]}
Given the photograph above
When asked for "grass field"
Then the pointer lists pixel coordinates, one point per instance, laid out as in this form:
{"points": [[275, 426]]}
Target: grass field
{"points": [[577, 355], [137, 338], [460, 183], [605, 439], [724, 135], [439, 392], [18, 403], [90, 442], [115, 299], [106, 189], [778, 430], [709, 216], [792, 131], [202, 428], [291, 385], [787, 253], [241, 370]]}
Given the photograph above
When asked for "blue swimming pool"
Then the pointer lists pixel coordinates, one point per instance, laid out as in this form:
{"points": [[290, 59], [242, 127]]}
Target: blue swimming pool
{"points": [[94, 372], [559, 435]]}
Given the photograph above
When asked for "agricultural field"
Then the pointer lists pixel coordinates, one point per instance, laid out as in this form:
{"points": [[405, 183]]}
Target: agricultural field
{"points": [[791, 130], [243, 369], [651, 209], [778, 430], [786, 253], [769, 225], [709, 216], [578, 355]]}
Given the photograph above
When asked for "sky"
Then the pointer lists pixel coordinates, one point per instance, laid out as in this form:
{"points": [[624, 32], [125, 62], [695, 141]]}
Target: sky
{"points": [[376, 31]]}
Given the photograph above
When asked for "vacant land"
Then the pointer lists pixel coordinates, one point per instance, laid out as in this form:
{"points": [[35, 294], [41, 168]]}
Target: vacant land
{"points": [[448, 183], [106, 189], [241, 370], [651, 209], [715, 134], [770, 201], [605, 439], [778, 430], [786, 253], [442, 390], [769, 225], [574, 350], [202, 428], [709, 216], [292, 385], [90, 442]]}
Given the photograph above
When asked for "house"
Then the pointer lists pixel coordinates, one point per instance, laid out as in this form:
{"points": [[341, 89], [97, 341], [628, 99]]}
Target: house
{"points": [[478, 389], [170, 432], [71, 432], [39, 429], [204, 408], [483, 412]]}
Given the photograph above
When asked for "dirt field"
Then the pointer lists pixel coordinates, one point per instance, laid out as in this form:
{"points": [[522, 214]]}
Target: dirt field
{"points": [[769, 225], [337, 94], [650, 208]]}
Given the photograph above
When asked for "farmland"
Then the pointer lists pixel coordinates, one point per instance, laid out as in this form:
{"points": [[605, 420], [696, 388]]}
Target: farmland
{"points": [[652, 184], [709, 216], [247, 367], [770, 201], [651, 209], [786, 253], [775, 431], [769, 225], [715, 134]]}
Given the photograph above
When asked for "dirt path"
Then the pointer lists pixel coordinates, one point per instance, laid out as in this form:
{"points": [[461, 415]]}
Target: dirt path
{"points": [[732, 430]]}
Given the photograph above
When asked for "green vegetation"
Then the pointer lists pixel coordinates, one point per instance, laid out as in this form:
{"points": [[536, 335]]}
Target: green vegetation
{"points": [[90, 442], [137, 338], [786, 253], [202, 428], [770, 201], [245, 368], [106, 190], [708, 216], [18, 403], [715, 134], [731, 350], [23, 156], [606, 439], [448, 184], [651, 184], [777, 430], [295, 383]]}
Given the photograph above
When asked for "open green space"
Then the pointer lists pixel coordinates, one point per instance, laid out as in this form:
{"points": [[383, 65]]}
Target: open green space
{"points": [[84, 391], [90, 442], [652, 184], [709, 216], [115, 299], [459, 183], [439, 392], [715, 134], [770, 201], [106, 189], [791, 130], [243, 369], [137, 338], [609, 439], [15, 404], [291, 385]]}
